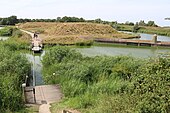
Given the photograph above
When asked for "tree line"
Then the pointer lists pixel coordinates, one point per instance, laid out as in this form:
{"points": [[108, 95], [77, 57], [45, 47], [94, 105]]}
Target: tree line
{"points": [[12, 20], [142, 23]]}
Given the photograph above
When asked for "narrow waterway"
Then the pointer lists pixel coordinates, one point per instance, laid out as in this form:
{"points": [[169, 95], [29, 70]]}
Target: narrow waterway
{"points": [[35, 59]]}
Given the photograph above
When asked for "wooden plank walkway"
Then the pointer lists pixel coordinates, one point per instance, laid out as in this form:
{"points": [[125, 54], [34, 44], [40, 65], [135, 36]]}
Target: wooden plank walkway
{"points": [[133, 42], [44, 94]]}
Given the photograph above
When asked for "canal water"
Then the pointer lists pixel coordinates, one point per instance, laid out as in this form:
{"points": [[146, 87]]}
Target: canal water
{"points": [[115, 51], [140, 52], [145, 36], [35, 59]]}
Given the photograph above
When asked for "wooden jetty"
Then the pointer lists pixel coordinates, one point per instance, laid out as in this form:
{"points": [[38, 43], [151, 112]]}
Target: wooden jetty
{"points": [[44, 94], [133, 42]]}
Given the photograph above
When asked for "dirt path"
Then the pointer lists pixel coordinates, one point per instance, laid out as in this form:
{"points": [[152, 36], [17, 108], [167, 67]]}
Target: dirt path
{"points": [[32, 34], [44, 108]]}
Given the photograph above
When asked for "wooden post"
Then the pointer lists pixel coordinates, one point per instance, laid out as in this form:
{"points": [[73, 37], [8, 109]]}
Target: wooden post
{"points": [[34, 95], [138, 44], [154, 38], [23, 88]]}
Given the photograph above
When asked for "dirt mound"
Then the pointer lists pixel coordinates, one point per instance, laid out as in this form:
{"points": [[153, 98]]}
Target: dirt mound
{"points": [[71, 33], [70, 28]]}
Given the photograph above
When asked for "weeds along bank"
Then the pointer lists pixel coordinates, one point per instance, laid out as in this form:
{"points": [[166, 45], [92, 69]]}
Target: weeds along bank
{"points": [[165, 31], [13, 70], [17, 41], [108, 84]]}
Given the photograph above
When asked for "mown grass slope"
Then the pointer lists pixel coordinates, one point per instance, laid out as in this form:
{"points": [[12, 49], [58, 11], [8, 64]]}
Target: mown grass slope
{"points": [[71, 33]]}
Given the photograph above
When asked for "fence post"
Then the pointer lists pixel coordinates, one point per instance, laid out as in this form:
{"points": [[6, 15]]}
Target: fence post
{"points": [[23, 88]]}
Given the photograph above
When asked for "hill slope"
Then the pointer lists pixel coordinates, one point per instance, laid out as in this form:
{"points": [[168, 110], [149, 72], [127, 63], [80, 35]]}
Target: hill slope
{"points": [[70, 33]]}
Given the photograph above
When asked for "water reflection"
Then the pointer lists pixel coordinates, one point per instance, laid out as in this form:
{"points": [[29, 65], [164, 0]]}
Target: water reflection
{"points": [[36, 59], [114, 51]]}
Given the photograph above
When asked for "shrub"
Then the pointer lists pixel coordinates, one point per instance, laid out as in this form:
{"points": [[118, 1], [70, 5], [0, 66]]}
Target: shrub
{"points": [[6, 31], [109, 84], [13, 68]]}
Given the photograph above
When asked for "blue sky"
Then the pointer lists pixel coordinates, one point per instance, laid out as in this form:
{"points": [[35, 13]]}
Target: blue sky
{"points": [[111, 10]]}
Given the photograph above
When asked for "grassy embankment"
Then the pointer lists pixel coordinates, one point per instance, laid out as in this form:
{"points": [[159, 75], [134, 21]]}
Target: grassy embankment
{"points": [[18, 40], [108, 84], [144, 29], [72, 33]]}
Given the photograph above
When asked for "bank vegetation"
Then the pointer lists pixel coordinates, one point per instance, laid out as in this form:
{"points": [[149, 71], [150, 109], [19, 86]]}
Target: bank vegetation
{"points": [[108, 84]]}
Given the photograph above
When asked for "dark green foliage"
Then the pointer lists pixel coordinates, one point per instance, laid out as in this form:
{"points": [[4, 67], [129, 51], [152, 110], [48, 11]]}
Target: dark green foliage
{"points": [[12, 20], [70, 19], [142, 23], [135, 27], [151, 23], [129, 23], [13, 70], [109, 84]]}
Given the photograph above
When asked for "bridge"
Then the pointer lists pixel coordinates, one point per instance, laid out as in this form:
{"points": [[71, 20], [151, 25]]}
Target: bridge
{"points": [[133, 42], [44, 94]]}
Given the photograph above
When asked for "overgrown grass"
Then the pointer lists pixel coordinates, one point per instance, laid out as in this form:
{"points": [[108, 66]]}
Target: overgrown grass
{"points": [[13, 70], [18, 40], [108, 84]]}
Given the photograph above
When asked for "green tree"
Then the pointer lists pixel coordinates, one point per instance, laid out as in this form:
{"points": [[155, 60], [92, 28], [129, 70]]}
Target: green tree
{"points": [[142, 23], [98, 20], [129, 23], [3, 21], [151, 23], [136, 27], [12, 20]]}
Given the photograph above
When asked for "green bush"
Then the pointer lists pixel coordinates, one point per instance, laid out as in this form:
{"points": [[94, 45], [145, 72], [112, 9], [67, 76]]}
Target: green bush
{"points": [[16, 33], [6, 31], [14, 68], [109, 84]]}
